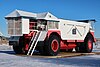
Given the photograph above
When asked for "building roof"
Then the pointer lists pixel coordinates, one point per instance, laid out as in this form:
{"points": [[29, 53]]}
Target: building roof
{"points": [[19, 13]]}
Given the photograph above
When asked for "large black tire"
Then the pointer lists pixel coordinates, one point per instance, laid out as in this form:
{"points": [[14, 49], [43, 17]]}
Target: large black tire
{"points": [[88, 44], [52, 46], [18, 49]]}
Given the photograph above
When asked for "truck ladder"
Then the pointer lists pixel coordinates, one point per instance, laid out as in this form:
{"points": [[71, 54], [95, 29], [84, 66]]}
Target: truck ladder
{"points": [[33, 42]]}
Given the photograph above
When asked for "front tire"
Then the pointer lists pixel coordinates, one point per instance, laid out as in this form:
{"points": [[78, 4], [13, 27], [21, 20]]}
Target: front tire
{"points": [[52, 46], [18, 49]]}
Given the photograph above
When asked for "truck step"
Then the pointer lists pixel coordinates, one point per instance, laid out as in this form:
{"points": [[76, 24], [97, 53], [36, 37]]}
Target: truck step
{"points": [[33, 42]]}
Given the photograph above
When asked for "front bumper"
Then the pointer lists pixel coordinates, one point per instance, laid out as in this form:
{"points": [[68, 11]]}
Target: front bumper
{"points": [[14, 40], [13, 43]]}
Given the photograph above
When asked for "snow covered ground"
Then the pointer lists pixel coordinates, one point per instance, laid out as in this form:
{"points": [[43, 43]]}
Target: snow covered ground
{"points": [[9, 59]]}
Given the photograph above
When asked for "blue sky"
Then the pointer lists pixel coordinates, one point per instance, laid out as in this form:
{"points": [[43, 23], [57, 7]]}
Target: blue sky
{"points": [[67, 9]]}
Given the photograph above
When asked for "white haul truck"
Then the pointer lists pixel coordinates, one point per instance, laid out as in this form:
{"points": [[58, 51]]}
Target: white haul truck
{"points": [[48, 34]]}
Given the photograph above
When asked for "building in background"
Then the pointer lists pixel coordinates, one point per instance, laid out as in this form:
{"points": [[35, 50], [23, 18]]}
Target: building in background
{"points": [[3, 39]]}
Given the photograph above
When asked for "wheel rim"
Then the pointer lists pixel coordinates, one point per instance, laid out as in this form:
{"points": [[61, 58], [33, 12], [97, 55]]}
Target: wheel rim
{"points": [[90, 44], [54, 45]]}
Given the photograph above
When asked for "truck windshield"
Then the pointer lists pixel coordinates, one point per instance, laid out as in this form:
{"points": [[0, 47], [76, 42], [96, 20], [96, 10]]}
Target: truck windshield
{"points": [[52, 25]]}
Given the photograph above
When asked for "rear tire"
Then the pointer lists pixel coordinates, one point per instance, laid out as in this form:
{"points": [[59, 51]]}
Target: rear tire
{"points": [[52, 46], [88, 44]]}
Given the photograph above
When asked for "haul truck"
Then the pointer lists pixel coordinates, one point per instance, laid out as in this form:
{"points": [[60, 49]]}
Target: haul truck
{"points": [[48, 34]]}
